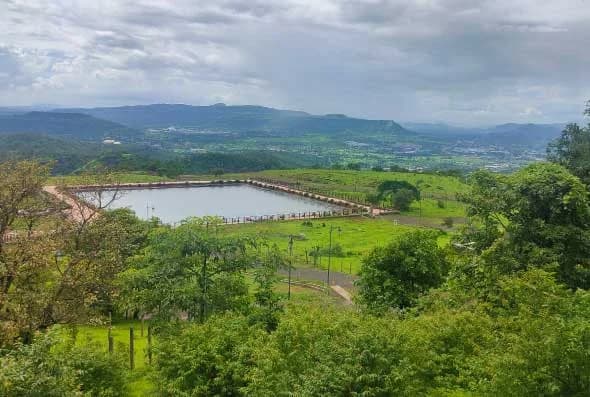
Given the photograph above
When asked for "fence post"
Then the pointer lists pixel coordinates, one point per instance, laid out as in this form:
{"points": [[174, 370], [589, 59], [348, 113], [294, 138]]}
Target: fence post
{"points": [[149, 344], [111, 342], [131, 349]]}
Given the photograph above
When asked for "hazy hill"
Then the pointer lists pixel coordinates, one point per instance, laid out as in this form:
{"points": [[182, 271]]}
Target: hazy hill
{"points": [[510, 134], [224, 118], [536, 135], [441, 129], [80, 126]]}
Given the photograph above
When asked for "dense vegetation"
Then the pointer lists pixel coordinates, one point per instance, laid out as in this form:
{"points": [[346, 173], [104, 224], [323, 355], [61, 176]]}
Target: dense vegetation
{"points": [[504, 309]]}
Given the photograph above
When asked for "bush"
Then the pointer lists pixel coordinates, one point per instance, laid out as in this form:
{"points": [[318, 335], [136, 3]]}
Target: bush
{"points": [[48, 367], [402, 199], [395, 276], [448, 222]]}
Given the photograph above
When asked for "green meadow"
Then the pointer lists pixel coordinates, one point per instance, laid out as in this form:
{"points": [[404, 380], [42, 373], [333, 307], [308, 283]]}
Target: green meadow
{"points": [[355, 237]]}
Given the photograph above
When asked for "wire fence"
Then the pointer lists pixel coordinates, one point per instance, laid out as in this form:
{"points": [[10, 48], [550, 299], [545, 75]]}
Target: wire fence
{"points": [[296, 216]]}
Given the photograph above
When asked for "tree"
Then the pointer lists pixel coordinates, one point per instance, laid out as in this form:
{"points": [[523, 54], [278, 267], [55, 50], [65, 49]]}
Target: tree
{"points": [[209, 359], [572, 150], [537, 217], [63, 274], [402, 199], [354, 166], [402, 193], [267, 303], [393, 277], [190, 269], [54, 365], [22, 182]]}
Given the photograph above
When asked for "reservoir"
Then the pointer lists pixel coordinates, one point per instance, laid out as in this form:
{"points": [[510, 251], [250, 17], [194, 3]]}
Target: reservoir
{"points": [[173, 204]]}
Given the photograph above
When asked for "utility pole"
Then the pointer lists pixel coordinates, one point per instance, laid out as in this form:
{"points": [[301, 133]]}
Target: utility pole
{"points": [[330, 250], [290, 264]]}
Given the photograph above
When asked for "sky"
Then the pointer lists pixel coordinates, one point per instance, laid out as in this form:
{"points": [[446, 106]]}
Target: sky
{"points": [[463, 62]]}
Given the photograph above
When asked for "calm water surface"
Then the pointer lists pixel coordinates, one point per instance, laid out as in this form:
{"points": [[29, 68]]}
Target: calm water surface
{"points": [[172, 204]]}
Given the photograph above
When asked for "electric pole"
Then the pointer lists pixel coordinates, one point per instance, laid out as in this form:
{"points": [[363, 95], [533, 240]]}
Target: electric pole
{"points": [[290, 264]]}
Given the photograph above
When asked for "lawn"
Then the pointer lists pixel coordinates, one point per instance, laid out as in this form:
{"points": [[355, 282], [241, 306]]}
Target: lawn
{"points": [[355, 235], [140, 383], [88, 179]]}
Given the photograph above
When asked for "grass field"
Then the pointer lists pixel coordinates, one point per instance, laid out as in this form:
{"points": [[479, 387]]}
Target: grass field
{"points": [[140, 383], [355, 235], [366, 181], [131, 177]]}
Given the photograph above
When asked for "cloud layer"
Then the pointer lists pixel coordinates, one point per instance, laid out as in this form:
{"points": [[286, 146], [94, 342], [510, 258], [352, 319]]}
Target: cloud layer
{"points": [[459, 61]]}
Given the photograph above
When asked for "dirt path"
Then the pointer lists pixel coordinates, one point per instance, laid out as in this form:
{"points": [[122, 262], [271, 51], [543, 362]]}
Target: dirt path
{"points": [[77, 210]]}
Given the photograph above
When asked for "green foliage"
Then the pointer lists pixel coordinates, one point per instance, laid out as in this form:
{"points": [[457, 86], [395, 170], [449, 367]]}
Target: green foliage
{"points": [[531, 338], [402, 199], [267, 304], [354, 166], [448, 222], [188, 269], [389, 187], [396, 275], [52, 367], [207, 359], [536, 217], [402, 193], [572, 150]]}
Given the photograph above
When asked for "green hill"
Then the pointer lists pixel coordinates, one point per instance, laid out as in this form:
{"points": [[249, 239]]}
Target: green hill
{"points": [[73, 125], [224, 118]]}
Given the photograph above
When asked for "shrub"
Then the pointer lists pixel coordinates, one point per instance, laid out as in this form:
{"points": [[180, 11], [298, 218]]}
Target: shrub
{"points": [[448, 222], [48, 367]]}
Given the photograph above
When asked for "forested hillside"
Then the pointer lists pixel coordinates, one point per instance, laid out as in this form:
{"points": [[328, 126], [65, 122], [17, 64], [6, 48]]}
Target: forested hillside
{"points": [[238, 119], [74, 125]]}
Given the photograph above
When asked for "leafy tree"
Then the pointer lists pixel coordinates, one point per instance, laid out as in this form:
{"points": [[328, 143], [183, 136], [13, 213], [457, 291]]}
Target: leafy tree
{"points": [[52, 366], [267, 303], [21, 182], [538, 217], [354, 166], [530, 337], [396, 275], [64, 274], [188, 269], [402, 199], [572, 150], [402, 193], [209, 359]]}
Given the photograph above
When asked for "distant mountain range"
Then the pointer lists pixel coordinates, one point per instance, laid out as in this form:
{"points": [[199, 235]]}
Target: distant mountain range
{"points": [[510, 134], [222, 118], [129, 123]]}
